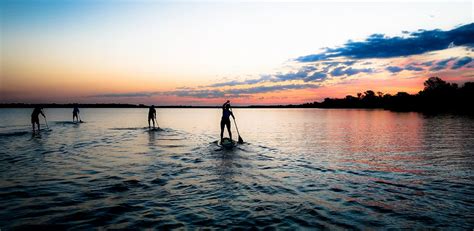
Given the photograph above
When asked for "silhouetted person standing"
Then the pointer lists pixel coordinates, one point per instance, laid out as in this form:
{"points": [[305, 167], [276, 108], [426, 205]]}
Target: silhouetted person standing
{"points": [[75, 113], [35, 117], [151, 116], [225, 120]]}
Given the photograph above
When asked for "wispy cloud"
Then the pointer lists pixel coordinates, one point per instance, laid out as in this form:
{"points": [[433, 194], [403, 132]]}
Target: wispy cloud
{"points": [[305, 73], [316, 77], [440, 65], [236, 92], [413, 68], [461, 62], [215, 93], [123, 95], [309, 73], [262, 78], [394, 69], [340, 71]]}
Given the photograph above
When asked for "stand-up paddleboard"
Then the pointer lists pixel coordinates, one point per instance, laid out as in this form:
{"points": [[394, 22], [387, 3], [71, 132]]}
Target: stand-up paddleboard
{"points": [[43, 130], [227, 143], [157, 129]]}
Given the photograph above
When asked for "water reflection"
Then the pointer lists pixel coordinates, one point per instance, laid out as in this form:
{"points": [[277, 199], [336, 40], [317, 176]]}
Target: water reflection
{"points": [[449, 140], [151, 138], [225, 172], [340, 169]]}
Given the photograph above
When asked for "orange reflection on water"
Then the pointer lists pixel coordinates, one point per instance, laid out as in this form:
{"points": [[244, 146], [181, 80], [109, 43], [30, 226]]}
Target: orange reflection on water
{"points": [[377, 139]]}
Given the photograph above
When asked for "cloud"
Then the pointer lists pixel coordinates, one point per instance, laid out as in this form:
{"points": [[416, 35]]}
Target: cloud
{"points": [[394, 69], [214, 93], [195, 93], [340, 71], [264, 89], [229, 83], [308, 68], [301, 74], [461, 62], [314, 57], [427, 64], [123, 95], [337, 71], [306, 73], [263, 78], [237, 92], [337, 63], [347, 60], [440, 65], [409, 67], [413, 68], [380, 46], [352, 71], [316, 77]]}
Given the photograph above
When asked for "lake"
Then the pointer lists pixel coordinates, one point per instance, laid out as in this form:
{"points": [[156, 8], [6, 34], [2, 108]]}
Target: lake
{"points": [[298, 168]]}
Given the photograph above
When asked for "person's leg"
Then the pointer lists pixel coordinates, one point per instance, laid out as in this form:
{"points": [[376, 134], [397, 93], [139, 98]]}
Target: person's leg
{"points": [[38, 124], [222, 129], [33, 125], [228, 129], [153, 122], [149, 126]]}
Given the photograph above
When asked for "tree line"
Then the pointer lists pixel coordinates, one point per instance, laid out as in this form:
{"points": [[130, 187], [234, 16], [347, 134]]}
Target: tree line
{"points": [[437, 96]]}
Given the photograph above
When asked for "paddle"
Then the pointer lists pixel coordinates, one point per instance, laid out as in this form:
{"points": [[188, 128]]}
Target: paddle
{"points": [[80, 120], [46, 122], [240, 141]]}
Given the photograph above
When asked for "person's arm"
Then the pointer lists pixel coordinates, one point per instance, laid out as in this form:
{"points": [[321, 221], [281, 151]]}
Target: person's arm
{"points": [[42, 113], [232, 114], [225, 104]]}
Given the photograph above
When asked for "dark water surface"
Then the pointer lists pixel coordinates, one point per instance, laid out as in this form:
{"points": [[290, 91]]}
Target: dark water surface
{"points": [[300, 168]]}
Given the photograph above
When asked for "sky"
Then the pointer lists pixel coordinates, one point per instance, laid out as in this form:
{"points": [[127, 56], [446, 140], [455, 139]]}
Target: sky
{"points": [[205, 52]]}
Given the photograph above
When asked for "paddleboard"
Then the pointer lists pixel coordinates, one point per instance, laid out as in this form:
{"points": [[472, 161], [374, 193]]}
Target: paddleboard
{"points": [[154, 129], [227, 143]]}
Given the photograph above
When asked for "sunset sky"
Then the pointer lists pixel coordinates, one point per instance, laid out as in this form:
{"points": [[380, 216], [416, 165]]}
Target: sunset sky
{"points": [[203, 53]]}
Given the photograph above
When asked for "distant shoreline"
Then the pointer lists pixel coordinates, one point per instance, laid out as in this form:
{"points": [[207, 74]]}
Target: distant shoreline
{"points": [[315, 105], [100, 105]]}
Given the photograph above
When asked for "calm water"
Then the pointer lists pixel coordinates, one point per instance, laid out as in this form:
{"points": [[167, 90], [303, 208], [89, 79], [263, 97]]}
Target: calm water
{"points": [[300, 168]]}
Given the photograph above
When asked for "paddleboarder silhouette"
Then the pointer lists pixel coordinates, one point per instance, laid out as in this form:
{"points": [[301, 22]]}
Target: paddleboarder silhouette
{"points": [[225, 120], [75, 113], [151, 116], [35, 117]]}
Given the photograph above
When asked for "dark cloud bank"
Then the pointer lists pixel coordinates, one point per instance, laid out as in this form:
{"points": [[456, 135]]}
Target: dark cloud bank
{"points": [[380, 46]]}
